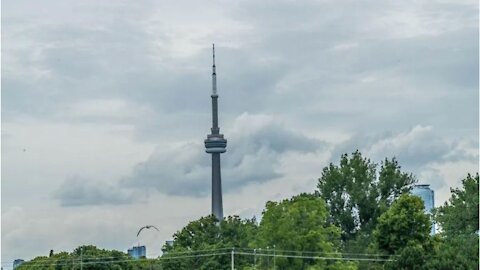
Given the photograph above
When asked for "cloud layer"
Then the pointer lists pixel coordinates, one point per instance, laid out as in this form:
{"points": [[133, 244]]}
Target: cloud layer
{"points": [[77, 191], [253, 157]]}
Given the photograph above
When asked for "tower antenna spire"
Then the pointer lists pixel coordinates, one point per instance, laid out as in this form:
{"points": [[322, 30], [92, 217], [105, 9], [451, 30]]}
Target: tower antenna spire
{"points": [[214, 74]]}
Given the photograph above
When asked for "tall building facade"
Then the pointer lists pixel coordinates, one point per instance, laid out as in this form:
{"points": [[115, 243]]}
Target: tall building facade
{"points": [[428, 197], [17, 263], [138, 252], [215, 144]]}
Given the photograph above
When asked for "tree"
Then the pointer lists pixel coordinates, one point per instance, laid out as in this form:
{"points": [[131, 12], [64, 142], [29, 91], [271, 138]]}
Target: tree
{"points": [[404, 222], [404, 231], [206, 243], [300, 224], [356, 197], [455, 253], [86, 257], [459, 216], [413, 256], [392, 183]]}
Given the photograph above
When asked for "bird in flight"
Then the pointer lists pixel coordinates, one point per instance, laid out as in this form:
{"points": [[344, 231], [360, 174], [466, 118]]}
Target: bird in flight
{"points": [[146, 227]]}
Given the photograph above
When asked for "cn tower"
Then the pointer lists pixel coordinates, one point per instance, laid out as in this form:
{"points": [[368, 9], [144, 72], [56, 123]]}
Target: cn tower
{"points": [[215, 144]]}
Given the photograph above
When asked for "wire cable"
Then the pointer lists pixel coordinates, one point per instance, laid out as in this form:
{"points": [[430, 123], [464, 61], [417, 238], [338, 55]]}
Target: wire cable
{"points": [[111, 260]]}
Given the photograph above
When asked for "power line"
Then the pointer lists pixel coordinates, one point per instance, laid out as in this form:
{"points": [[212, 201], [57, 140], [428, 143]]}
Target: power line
{"points": [[208, 253], [249, 250], [315, 257], [267, 251]]}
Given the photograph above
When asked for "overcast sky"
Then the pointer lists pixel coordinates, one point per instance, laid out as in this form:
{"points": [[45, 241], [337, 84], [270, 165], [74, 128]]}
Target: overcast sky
{"points": [[105, 106]]}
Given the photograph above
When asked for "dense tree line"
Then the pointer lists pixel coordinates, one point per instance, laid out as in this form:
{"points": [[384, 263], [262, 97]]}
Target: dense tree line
{"points": [[361, 209], [361, 216], [87, 258]]}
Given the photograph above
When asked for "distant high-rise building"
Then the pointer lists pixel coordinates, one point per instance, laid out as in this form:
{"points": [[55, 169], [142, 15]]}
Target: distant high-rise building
{"points": [[17, 263], [168, 244], [428, 197], [215, 144], [138, 252]]}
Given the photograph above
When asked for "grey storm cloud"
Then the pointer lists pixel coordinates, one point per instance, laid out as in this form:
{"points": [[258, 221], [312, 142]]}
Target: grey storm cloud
{"points": [[252, 157], [414, 148], [78, 191], [338, 65]]}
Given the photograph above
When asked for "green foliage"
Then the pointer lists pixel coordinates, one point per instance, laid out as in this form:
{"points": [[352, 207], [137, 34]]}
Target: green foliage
{"points": [[299, 224], [455, 253], [403, 223], [458, 246], [87, 258], [392, 183], [356, 197], [459, 216], [404, 231], [208, 236], [413, 256]]}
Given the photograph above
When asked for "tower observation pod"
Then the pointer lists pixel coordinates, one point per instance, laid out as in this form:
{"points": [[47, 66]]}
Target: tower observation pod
{"points": [[215, 144]]}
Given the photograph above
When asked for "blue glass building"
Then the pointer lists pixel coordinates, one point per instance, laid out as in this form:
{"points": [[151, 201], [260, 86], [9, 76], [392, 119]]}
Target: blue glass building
{"points": [[17, 263], [428, 197], [138, 252]]}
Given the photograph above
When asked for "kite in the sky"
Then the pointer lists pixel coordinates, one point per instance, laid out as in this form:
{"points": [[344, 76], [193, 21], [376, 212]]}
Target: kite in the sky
{"points": [[146, 227]]}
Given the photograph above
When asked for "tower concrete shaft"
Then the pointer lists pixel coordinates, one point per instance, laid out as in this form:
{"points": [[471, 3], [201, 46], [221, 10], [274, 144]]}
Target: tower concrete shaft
{"points": [[215, 144]]}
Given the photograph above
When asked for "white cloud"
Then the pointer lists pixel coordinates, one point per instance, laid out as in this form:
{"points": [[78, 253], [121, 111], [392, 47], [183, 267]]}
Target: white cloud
{"points": [[345, 46], [418, 146], [452, 172], [109, 109]]}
